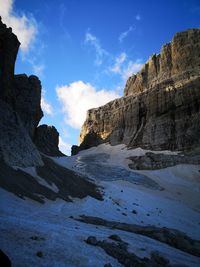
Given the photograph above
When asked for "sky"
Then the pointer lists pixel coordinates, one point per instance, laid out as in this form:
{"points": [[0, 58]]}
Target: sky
{"points": [[83, 51]]}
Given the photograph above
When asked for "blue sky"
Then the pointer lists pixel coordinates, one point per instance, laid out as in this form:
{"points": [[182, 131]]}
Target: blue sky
{"points": [[84, 50]]}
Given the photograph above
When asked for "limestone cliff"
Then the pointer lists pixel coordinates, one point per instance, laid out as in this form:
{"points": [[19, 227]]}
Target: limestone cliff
{"points": [[161, 104], [20, 109]]}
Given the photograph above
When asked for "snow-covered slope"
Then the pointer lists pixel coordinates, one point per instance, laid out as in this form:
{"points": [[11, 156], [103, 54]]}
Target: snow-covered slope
{"points": [[164, 198]]}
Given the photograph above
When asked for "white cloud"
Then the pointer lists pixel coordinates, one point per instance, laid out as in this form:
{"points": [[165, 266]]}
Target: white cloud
{"points": [[125, 68], [46, 106], [95, 43], [64, 147], [38, 69], [123, 35], [130, 69], [78, 97], [118, 63], [138, 17], [24, 27]]}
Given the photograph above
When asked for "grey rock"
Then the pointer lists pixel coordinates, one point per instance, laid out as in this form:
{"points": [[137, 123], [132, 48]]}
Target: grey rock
{"points": [[20, 98], [152, 161], [16, 146], [46, 139], [4, 260], [92, 240], [161, 104], [9, 46], [26, 102]]}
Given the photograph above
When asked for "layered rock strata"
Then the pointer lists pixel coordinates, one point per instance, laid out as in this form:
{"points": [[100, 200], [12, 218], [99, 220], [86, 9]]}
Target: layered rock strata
{"points": [[161, 104]]}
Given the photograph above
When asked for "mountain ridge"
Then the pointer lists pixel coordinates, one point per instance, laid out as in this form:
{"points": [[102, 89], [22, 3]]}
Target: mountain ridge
{"points": [[161, 103]]}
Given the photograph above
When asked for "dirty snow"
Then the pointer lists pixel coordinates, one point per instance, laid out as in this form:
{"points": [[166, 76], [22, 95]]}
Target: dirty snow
{"points": [[174, 204]]}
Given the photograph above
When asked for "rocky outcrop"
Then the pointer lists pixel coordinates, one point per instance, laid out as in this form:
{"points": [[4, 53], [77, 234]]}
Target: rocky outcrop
{"points": [[21, 141], [20, 109], [16, 146], [26, 102], [9, 46], [46, 139], [161, 104], [152, 161]]}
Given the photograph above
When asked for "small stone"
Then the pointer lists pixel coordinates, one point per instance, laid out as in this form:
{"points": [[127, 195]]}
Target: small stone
{"points": [[155, 256], [40, 254], [92, 240], [134, 211], [115, 237]]}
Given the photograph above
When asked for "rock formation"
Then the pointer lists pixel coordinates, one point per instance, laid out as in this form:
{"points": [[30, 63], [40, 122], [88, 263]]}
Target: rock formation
{"points": [[161, 104], [22, 141], [9, 46], [27, 101], [20, 98], [46, 139]]}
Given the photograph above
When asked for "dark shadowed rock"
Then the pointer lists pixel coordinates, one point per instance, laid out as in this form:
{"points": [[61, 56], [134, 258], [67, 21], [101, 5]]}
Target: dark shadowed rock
{"points": [[172, 237], [120, 252], [16, 146], [4, 260], [26, 102], [55, 182], [91, 139], [20, 110], [46, 139], [9, 46], [161, 104], [152, 161]]}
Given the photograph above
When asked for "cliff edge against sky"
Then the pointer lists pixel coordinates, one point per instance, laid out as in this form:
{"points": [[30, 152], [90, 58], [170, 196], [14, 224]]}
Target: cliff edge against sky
{"points": [[160, 106]]}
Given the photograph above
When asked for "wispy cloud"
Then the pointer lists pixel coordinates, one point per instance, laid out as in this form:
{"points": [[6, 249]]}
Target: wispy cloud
{"points": [[138, 17], [125, 68], [46, 106], [77, 97], [64, 146], [124, 34], [25, 27], [95, 43], [118, 63], [62, 15], [131, 68], [38, 69]]}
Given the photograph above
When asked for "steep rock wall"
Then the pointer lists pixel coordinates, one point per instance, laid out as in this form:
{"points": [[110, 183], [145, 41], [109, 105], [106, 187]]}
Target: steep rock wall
{"points": [[161, 104], [20, 109]]}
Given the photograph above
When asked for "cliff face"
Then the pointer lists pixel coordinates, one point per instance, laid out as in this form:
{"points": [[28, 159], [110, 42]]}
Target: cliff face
{"points": [[161, 104], [20, 110]]}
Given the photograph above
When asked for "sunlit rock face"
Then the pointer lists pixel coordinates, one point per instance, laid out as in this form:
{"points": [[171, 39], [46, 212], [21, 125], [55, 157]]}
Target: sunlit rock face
{"points": [[161, 104]]}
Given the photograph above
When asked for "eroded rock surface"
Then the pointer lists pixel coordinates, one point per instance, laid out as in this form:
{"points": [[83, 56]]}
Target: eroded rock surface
{"points": [[161, 104], [172, 237], [46, 139], [27, 101], [9, 46], [20, 109], [152, 161], [16, 146]]}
